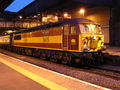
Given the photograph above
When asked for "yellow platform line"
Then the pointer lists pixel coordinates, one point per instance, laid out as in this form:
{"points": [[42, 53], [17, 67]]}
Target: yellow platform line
{"points": [[34, 77]]}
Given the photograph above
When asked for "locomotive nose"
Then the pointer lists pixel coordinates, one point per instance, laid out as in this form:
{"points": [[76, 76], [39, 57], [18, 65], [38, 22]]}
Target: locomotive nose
{"points": [[92, 43]]}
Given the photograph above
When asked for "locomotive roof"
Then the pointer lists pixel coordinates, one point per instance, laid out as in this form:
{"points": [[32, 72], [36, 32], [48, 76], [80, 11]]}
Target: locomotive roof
{"points": [[57, 24], [78, 20]]}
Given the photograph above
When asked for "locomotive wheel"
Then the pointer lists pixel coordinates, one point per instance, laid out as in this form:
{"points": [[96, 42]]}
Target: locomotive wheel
{"points": [[52, 56], [42, 54], [76, 61], [47, 52], [65, 58], [54, 60], [90, 61], [99, 58], [64, 61]]}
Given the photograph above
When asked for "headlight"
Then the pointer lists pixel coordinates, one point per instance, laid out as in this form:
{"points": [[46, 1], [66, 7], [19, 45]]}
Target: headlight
{"points": [[85, 48], [94, 37]]}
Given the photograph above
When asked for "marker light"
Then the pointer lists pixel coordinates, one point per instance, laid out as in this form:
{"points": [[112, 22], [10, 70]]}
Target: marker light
{"points": [[94, 37]]}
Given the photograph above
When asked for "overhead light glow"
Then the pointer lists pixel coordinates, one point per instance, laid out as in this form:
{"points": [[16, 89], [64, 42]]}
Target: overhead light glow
{"points": [[9, 31], [20, 17], [17, 5], [65, 14], [35, 16], [56, 17], [82, 11]]}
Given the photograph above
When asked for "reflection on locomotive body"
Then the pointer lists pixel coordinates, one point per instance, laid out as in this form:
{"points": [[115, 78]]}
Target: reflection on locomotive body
{"points": [[72, 41]]}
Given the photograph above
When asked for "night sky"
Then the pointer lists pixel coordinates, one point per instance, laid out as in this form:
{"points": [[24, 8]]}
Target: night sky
{"points": [[18, 5]]}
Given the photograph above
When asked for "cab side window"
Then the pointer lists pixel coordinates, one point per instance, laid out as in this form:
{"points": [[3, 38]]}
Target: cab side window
{"points": [[73, 29], [17, 37]]}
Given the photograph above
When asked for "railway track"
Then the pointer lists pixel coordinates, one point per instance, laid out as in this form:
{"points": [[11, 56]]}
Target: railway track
{"points": [[104, 71], [111, 68]]}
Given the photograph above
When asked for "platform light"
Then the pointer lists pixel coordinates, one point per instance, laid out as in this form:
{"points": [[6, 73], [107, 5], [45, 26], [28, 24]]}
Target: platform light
{"points": [[65, 14], [82, 11], [9, 31], [56, 17], [43, 19], [20, 17], [34, 16]]}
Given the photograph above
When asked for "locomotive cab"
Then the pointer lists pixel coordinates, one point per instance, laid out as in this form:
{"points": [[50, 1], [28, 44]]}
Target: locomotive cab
{"points": [[91, 37], [83, 37]]}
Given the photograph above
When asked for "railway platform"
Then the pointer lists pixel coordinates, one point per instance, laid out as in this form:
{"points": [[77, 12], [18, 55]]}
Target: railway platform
{"points": [[113, 50], [17, 75], [113, 57]]}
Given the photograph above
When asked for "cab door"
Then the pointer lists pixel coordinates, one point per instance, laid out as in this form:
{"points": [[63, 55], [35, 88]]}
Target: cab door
{"points": [[74, 37], [65, 37]]}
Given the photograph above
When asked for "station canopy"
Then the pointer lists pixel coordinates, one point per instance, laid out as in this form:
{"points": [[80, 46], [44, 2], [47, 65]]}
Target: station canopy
{"points": [[44, 5], [30, 7], [4, 4], [11, 9]]}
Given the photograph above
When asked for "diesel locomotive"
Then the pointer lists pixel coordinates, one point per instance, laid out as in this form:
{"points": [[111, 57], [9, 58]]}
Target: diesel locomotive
{"points": [[72, 41]]}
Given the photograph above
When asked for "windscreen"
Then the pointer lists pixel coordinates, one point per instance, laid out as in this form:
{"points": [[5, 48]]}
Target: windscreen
{"points": [[90, 28]]}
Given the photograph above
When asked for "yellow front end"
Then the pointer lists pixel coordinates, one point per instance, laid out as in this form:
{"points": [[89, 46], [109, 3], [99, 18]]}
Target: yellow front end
{"points": [[91, 42]]}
